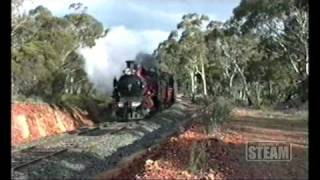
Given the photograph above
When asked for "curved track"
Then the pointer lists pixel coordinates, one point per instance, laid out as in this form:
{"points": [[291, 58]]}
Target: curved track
{"points": [[34, 154]]}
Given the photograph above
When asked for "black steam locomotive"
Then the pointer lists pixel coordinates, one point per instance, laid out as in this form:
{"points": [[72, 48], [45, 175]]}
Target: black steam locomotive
{"points": [[141, 91]]}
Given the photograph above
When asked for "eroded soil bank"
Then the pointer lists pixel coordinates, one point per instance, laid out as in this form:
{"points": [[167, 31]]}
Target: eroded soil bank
{"points": [[30, 122]]}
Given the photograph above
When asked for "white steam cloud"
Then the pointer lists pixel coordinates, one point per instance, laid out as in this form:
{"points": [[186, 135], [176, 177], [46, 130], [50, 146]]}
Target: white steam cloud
{"points": [[107, 58]]}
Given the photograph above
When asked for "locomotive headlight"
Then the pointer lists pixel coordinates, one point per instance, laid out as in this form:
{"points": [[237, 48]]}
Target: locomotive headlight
{"points": [[120, 104], [135, 104]]}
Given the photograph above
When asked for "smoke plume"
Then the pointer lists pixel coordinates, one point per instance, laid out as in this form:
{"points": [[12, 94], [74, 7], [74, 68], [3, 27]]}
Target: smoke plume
{"points": [[146, 60], [106, 59]]}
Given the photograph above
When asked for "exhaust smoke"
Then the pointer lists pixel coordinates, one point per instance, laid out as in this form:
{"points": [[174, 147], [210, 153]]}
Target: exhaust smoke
{"points": [[106, 59]]}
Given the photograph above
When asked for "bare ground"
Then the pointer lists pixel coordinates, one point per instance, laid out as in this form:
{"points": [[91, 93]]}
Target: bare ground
{"points": [[225, 150]]}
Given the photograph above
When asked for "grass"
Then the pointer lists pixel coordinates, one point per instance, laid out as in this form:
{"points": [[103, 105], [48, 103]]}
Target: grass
{"points": [[198, 158]]}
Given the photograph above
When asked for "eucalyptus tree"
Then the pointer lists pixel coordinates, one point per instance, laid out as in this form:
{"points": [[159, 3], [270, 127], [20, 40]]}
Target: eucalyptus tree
{"points": [[231, 54], [259, 55], [48, 52], [219, 68], [167, 54], [171, 59], [17, 17], [283, 28], [193, 48]]}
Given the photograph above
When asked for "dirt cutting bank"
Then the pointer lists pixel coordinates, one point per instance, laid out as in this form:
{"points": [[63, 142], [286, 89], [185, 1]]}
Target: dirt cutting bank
{"points": [[30, 122]]}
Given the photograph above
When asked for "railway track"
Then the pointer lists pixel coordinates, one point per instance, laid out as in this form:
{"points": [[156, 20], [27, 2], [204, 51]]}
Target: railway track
{"points": [[31, 155], [34, 154]]}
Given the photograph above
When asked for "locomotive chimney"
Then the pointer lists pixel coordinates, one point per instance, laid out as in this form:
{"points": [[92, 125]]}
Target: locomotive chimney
{"points": [[130, 64]]}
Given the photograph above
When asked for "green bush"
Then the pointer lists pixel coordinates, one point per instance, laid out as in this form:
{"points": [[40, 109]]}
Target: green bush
{"points": [[202, 100], [217, 111], [18, 98], [94, 105], [73, 101], [77, 101], [25, 99]]}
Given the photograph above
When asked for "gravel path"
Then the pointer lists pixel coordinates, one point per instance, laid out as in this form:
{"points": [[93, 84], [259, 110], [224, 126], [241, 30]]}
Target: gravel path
{"points": [[100, 149]]}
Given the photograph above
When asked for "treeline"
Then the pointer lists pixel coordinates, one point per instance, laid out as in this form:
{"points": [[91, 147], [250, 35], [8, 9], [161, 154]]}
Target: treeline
{"points": [[258, 57], [45, 61], [46, 64]]}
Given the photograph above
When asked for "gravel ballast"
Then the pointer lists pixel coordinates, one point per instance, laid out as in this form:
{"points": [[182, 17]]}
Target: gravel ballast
{"points": [[100, 150]]}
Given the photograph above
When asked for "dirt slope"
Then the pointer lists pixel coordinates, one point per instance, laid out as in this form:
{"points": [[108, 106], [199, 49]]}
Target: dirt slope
{"points": [[32, 121]]}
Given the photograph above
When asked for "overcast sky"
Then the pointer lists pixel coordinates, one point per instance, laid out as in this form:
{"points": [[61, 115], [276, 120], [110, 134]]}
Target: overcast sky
{"points": [[136, 25]]}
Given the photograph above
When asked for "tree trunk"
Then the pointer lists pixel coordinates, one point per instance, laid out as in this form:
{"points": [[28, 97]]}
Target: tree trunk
{"points": [[65, 56], [249, 101], [288, 98], [247, 93], [203, 75], [307, 59], [231, 85], [258, 93], [231, 81], [244, 83], [270, 88], [192, 83]]}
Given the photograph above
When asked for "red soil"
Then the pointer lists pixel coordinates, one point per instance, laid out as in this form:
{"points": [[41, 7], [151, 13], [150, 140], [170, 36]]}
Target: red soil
{"points": [[30, 122], [225, 153]]}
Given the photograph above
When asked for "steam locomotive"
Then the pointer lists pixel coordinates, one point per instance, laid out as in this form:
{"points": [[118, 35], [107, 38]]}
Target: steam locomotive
{"points": [[141, 91]]}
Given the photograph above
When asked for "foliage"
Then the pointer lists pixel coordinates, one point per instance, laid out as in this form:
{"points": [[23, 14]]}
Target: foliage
{"points": [[218, 110], [259, 56], [45, 60], [94, 105]]}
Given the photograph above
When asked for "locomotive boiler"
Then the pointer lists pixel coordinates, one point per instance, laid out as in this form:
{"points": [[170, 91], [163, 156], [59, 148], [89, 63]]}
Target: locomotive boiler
{"points": [[141, 91]]}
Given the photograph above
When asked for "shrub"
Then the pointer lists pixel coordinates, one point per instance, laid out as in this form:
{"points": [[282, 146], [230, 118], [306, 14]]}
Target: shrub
{"points": [[73, 101], [217, 111], [202, 100], [84, 103], [30, 99], [18, 98]]}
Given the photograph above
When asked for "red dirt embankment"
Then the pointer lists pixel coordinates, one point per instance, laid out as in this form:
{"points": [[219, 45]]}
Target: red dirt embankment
{"points": [[33, 121]]}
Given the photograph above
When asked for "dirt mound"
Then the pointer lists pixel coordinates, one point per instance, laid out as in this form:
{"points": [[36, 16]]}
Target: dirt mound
{"points": [[33, 121]]}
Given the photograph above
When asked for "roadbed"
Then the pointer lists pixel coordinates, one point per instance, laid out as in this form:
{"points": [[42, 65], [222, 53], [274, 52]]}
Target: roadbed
{"points": [[101, 149]]}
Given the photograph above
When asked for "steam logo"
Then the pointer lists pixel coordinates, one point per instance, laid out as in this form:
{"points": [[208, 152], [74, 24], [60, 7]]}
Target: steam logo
{"points": [[268, 151]]}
